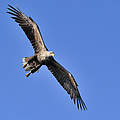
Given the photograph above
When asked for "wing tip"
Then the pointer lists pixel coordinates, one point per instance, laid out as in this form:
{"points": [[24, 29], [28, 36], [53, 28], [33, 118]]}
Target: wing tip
{"points": [[80, 103], [9, 5], [14, 9]]}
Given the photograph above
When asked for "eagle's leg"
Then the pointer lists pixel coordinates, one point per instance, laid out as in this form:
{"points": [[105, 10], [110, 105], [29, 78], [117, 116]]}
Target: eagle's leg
{"points": [[27, 60], [27, 75], [33, 70], [31, 64], [32, 58]]}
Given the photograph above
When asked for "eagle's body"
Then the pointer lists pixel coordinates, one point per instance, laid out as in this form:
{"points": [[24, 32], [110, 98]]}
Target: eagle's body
{"points": [[44, 57], [33, 63]]}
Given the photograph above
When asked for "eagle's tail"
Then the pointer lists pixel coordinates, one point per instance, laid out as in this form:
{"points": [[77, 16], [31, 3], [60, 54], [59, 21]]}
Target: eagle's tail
{"points": [[30, 64]]}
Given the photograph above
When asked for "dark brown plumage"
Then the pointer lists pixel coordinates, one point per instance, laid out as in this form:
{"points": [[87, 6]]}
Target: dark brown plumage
{"points": [[29, 27], [44, 57]]}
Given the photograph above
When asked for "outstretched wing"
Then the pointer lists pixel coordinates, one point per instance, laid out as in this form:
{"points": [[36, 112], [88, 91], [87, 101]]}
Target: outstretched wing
{"points": [[67, 81], [29, 27]]}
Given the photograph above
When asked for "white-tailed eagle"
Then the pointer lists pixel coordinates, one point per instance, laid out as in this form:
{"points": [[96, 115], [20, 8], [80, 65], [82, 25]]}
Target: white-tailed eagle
{"points": [[44, 57]]}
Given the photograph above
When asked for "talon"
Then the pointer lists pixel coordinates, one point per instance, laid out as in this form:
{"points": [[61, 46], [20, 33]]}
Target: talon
{"points": [[24, 65], [27, 75]]}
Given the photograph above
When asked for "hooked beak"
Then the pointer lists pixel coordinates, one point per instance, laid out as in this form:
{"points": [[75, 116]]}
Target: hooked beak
{"points": [[53, 54]]}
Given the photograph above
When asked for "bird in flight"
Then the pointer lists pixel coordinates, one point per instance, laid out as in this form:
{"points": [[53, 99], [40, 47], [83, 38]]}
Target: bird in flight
{"points": [[44, 57]]}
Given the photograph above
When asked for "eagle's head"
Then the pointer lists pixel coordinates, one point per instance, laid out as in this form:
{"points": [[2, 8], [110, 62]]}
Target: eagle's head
{"points": [[51, 53], [47, 55]]}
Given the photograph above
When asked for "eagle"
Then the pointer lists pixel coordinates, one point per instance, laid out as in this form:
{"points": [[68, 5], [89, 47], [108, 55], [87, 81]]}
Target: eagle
{"points": [[44, 57]]}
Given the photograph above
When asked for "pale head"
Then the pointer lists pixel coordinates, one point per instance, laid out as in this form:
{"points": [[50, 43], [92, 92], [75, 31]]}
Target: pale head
{"points": [[47, 54], [51, 53]]}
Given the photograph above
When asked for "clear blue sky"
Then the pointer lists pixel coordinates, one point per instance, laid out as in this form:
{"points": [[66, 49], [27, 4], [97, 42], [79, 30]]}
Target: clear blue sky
{"points": [[85, 36]]}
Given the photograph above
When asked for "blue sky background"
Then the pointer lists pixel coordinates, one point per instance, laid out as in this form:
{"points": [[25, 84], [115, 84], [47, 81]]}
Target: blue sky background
{"points": [[85, 36]]}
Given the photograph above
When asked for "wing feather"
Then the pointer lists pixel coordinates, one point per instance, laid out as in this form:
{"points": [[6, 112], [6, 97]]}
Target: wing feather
{"points": [[29, 27], [67, 81]]}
